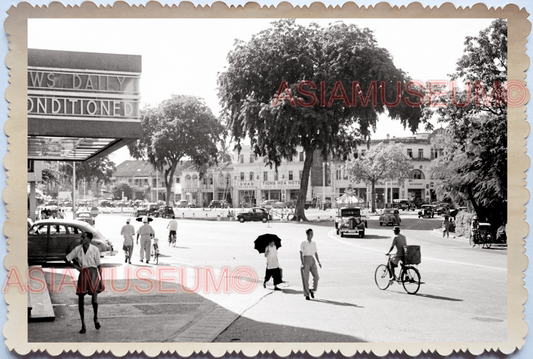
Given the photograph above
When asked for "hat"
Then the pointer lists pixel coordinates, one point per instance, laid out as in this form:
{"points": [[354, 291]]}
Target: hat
{"points": [[396, 229], [145, 219]]}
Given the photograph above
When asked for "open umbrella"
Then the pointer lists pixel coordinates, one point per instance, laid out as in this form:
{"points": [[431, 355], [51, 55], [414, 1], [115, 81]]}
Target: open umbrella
{"points": [[140, 219], [263, 240]]}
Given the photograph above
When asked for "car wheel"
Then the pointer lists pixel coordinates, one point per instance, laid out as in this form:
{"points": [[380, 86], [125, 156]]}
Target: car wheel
{"points": [[381, 223], [264, 220], [241, 219]]}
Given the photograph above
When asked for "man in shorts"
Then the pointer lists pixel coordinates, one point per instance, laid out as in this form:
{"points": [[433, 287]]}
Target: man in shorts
{"points": [[399, 242], [90, 282]]}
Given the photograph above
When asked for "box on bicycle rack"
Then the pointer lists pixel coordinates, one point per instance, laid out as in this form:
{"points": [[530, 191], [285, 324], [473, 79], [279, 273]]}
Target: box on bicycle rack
{"points": [[412, 254]]}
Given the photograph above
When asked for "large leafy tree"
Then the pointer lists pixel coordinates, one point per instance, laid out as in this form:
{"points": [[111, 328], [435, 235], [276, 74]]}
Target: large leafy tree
{"points": [[385, 162], [474, 163], [99, 170], [122, 188], [289, 86], [180, 127]]}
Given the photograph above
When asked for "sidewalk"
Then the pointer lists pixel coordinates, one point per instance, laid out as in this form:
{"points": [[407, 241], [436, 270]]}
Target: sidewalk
{"points": [[133, 316]]}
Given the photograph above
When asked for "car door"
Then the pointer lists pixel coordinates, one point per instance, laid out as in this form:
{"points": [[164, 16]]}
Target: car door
{"points": [[38, 241], [58, 241]]}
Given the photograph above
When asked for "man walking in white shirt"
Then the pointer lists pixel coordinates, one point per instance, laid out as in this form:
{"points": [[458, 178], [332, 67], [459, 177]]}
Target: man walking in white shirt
{"points": [[307, 251], [146, 232], [128, 232]]}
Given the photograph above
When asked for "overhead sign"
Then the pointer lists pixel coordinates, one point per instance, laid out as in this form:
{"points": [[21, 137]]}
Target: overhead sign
{"points": [[280, 184], [81, 104]]}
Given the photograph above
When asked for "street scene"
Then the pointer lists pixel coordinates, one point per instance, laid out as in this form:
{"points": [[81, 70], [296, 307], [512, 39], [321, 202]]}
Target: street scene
{"points": [[296, 181], [452, 294]]}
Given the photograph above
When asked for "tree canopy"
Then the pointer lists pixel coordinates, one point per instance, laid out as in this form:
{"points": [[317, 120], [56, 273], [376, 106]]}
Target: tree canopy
{"points": [[474, 163], [180, 127], [318, 88], [385, 162], [99, 169]]}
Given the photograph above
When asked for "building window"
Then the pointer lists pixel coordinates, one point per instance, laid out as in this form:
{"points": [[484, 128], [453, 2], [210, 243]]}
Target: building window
{"points": [[154, 183], [290, 176], [251, 176], [301, 174], [302, 156], [417, 174], [420, 153], [252, 156], [242, 176], [276, 176], [241, 158], [265, 176], [177, 180], [409, 153], [338, 174], [356, 155], [210, 180]]}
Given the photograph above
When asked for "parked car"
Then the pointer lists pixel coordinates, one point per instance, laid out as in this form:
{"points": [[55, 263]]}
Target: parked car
{"points": [[184, 204], [219, 204], [427, 211], [85, 216], [390, 216], [53, 239], [51, 212], [254, 214], [166, 211], [349, 220], [153, 210], [141, 211], [404, 205]]}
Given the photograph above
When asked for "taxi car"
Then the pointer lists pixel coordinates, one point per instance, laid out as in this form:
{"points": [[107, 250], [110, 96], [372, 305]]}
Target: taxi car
{"points": [[350, 221], [254, 214], [53, 239]]}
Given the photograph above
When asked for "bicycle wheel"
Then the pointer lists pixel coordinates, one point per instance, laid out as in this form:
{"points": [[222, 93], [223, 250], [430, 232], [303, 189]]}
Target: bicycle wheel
{"points": [[410, 279], [382, 277]]}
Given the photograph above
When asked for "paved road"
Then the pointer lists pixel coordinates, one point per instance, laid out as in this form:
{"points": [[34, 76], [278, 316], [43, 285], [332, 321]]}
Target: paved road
{"points": [[463, 297]]}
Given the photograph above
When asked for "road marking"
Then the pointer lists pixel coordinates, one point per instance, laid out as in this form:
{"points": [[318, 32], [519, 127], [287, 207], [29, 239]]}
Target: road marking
{"points": [[334, 237]]}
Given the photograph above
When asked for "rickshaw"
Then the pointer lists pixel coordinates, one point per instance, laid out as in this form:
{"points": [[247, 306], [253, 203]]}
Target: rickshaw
{"points": [[427, 211], [481, 235]]}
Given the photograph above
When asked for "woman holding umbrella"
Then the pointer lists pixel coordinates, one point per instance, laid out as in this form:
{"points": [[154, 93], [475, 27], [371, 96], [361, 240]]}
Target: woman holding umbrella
{"points": [[269, 244]]}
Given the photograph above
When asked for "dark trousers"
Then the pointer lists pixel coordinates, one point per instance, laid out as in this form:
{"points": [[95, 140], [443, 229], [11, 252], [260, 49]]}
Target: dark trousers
{"points": [[273, 273]]}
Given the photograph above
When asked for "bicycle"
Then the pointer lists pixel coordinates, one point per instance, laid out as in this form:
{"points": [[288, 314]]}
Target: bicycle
{"points": [[172, 238], [409, 276]]}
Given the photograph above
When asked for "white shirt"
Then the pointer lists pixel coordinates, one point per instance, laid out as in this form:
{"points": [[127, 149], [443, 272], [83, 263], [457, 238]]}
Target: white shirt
{"points": [[128, 232], [89, 259], [146, 231], [308, 248], [272, 258], [173, 225]]}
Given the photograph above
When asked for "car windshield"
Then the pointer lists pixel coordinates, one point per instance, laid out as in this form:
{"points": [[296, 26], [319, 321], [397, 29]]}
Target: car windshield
{"points": [[351, 212]]}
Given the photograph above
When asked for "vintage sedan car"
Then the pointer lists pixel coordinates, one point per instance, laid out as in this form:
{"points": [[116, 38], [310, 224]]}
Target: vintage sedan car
{"points": [[166, 211], [219, 204], [85, 216], [153, 210], [53, 239], [254, 214], [390, 216], [349, 220], [184, 204], [427, 211], [141, 211]]}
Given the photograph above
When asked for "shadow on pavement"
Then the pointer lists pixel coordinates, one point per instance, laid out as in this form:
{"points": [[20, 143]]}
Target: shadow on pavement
{"points": [[342, 304], [438, 297], [245, 330]]}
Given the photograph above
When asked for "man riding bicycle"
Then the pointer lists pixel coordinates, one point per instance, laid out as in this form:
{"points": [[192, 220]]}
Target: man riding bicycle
{"points": [[399, 242], [173, 229]]}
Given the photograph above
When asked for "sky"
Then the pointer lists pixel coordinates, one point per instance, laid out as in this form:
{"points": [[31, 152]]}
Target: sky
{"points": [[184, 56]]}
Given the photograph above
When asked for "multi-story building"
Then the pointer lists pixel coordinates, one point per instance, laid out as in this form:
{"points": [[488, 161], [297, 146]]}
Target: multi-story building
{"points": [[250, 180], [146, 182]]}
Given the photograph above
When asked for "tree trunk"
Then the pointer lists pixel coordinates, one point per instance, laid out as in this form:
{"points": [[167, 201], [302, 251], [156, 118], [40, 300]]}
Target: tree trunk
{"points": [[300, 203], [169, 179], [480, 213], [373, 194]]}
